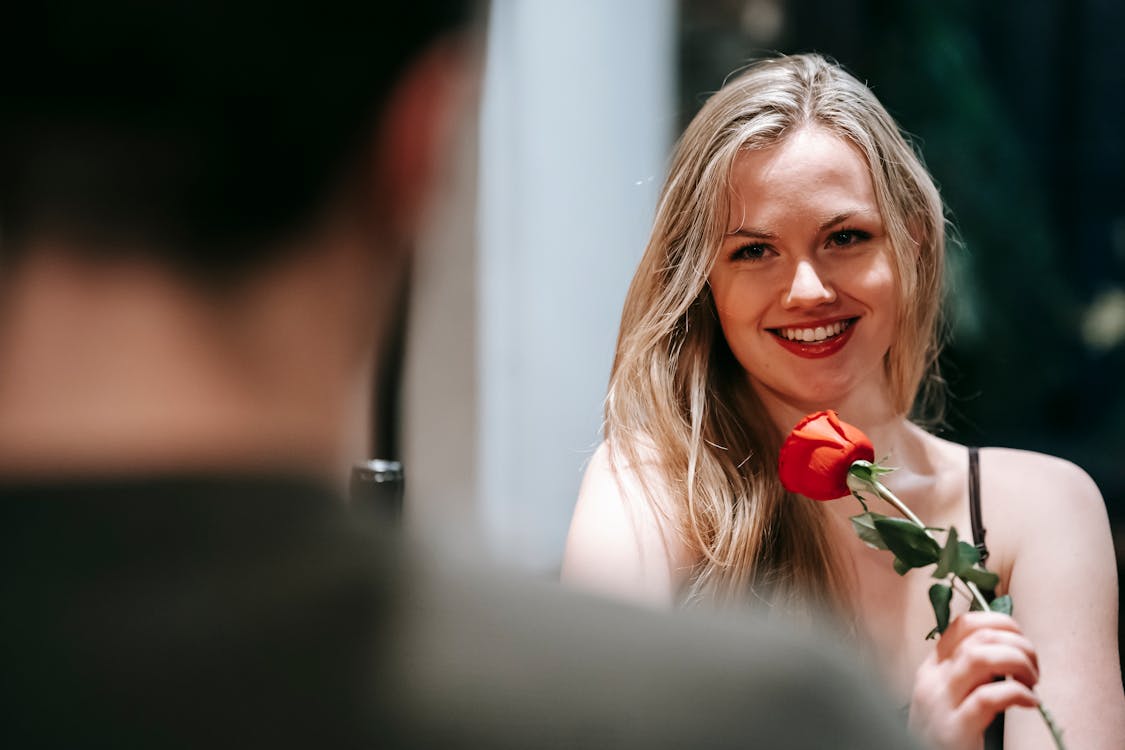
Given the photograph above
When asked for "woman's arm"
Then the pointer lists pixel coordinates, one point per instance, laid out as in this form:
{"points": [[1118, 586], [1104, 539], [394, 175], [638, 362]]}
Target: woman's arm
{"points": [[1049, 519], [619, 544]]}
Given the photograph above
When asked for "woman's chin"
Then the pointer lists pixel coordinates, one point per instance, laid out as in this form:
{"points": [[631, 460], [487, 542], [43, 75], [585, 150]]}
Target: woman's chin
{"points": [[810, 398]]}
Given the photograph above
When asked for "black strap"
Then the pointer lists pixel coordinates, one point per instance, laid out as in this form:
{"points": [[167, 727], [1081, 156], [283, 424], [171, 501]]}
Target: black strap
{"points": [[974, 502], [994, 733]]}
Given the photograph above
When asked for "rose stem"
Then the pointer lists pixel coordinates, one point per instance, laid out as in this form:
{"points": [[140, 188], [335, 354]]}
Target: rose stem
{"points": [[967, 594], [889, 496]]}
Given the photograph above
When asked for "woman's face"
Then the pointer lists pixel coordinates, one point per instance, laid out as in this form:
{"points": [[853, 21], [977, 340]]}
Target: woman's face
{"points": [[803, 283]]}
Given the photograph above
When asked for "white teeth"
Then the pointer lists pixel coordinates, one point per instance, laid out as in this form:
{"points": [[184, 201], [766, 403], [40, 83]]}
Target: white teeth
{"points": [[820, 333]]}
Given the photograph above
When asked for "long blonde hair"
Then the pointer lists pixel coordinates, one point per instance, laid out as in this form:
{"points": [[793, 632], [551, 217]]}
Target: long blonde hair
{"points": [[679, 408]]}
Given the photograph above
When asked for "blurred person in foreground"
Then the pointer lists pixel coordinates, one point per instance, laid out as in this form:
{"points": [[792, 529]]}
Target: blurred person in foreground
{"points": [[204, 207]]}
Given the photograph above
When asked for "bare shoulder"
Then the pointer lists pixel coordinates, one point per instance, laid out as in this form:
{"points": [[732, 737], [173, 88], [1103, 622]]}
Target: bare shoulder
{"points": [[623, 539], [1033, 502], [1037, 483]]}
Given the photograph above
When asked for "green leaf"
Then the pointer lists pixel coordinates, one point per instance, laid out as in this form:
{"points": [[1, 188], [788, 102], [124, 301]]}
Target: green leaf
{"points": [[985, 579], [861, 469], [901, 568], [864, 525], [940, 595], [1001, 604], [957, 557], [866, 469], [910, 544], [864, 476], [967, 558], [948, 561]]}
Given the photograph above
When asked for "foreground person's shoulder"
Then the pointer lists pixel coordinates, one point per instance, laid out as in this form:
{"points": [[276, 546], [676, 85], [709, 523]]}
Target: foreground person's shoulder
{"points": [[490, 662]]}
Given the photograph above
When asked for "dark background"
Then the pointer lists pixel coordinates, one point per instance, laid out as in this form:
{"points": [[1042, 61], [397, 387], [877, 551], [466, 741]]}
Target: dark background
{"points": [[1019, 109]]}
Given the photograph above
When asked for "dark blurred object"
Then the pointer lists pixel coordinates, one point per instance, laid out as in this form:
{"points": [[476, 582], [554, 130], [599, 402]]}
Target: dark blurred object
{"points": [[378, 485], [386, 385]]}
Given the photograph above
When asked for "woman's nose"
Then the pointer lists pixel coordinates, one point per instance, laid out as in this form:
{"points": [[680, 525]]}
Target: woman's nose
{"points": [[808, 288]]}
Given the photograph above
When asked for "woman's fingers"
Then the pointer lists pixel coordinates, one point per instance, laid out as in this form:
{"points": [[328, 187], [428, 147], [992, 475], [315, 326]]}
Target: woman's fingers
{"points": [[1008, 638], [978, 664], [977, 710], [969, 623], [957, 691], [962, 726], [985, 646]]}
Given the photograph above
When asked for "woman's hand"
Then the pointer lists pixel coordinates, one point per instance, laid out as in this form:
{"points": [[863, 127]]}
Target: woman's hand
{"points": [[956, 694]]}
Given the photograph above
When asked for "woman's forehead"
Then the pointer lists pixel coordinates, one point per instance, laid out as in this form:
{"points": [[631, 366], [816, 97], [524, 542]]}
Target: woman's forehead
{"points": [[813, 172]]}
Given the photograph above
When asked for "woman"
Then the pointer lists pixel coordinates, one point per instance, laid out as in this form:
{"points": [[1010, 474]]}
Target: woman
{"points": [[796, 265]]}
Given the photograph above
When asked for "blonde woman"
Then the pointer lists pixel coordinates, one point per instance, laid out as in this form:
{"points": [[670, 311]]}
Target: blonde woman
{"points": [[796, 264]]}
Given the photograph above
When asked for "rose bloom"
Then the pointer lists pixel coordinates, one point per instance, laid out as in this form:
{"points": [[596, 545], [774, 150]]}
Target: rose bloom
{"points": [[818, 453]]}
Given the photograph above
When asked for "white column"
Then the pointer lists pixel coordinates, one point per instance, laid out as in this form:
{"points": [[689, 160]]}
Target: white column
{"points": [[575, 131]]}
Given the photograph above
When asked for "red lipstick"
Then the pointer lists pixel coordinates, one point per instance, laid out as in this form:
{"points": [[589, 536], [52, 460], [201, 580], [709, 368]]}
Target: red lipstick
{"points": [[818, 349]]}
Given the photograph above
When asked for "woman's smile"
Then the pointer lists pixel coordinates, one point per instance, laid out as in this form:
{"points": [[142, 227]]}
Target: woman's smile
{"points": [[815, 339]]}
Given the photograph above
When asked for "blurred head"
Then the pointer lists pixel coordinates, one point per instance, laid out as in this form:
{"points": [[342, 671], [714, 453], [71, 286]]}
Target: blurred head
{"points": [[671, 305], [201, 134], [203, 208]]}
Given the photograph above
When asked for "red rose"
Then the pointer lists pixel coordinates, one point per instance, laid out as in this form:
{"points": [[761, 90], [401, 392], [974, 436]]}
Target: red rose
{"points": [[816, 456]]}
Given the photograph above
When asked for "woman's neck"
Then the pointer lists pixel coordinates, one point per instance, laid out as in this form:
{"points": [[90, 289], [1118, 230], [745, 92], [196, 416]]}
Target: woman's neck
{"points": [[867, 407], [898, 443]]}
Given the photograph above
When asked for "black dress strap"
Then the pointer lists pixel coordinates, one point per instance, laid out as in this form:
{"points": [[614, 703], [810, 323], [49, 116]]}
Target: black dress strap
{"points": [[974, 502], [994, 733]]}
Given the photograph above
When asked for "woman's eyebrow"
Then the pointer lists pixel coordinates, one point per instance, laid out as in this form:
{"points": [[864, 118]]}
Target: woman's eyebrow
{"points": [[758, 234], [762, 234], [844, 217]]}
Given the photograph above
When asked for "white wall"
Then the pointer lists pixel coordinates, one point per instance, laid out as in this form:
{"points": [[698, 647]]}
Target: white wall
{"points": [[503, 400]]}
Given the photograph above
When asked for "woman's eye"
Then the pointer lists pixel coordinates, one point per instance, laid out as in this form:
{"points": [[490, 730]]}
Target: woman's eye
{"points": [[846, 237], [750, 252]]}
